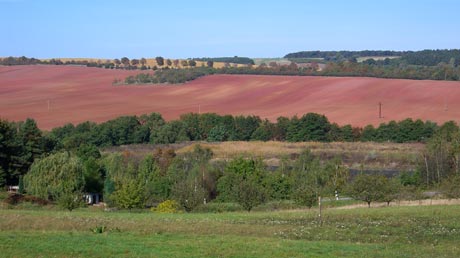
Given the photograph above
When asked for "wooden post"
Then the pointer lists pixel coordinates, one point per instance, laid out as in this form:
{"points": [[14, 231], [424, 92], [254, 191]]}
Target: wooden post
{"points": [[319, 215]]}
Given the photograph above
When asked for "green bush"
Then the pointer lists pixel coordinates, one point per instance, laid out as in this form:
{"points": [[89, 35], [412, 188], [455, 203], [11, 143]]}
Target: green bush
{"points": [[99, 229], [168, 206]]}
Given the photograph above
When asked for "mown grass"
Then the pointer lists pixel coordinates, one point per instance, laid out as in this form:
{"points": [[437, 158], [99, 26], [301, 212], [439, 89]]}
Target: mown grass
{"points": [[428, 231]]}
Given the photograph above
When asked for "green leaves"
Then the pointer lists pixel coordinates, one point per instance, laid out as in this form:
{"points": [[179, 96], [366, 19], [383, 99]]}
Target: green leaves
{"points": [[368, 188], [129, 195], [244, 181], [56, 177]]}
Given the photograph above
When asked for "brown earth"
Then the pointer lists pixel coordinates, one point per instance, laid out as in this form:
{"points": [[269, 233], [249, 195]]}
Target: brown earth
{"points": [[77, 94]]}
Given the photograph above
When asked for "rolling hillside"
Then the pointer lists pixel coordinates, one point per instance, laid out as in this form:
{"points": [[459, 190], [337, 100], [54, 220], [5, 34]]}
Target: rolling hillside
{"points": [[55, 95]]}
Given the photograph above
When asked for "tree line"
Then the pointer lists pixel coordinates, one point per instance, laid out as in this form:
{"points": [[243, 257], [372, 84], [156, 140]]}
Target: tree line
{"points": [[63, 164], [335, 55], [369, 68], [193, 179], [22, 142], [168, 70], [233, 60], [420, 58]]}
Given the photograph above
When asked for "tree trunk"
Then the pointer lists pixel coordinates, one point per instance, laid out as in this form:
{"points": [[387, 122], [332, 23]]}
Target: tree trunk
{"points": [[427, 169]]}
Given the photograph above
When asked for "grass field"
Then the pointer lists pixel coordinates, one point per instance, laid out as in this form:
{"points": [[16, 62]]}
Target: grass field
{"points": [[355, 155], [429, 231]]}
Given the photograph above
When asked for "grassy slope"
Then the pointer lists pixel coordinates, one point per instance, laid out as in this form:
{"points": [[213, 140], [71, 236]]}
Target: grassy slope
{"points": [[367, 155], [356, 155], [430, 231]]}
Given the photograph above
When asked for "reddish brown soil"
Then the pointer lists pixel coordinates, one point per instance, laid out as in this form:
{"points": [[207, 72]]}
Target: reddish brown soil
{"points": [[77, 94]]}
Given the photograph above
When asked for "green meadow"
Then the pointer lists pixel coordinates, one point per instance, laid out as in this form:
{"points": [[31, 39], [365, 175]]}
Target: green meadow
{"points": [[417, 231]]}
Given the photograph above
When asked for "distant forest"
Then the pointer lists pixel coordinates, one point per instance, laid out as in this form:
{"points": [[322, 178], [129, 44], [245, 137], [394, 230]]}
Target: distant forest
{"points": [[423, 58], [233, 60]]}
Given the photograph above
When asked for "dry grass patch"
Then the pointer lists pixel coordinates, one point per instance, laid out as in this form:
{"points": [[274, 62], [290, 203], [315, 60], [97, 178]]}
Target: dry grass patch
{"points": [[353, 154]]}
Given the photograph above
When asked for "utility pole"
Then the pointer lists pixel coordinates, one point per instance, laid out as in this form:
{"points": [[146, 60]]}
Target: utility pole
{"points": [[380, 109]]}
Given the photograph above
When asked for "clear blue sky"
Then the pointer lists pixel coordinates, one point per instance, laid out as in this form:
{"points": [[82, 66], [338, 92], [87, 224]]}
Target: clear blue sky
{"points": [[180, 29]]}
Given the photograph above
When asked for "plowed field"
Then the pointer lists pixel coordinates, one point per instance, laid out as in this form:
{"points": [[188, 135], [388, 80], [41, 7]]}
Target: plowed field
{"points": [[55, 95]]}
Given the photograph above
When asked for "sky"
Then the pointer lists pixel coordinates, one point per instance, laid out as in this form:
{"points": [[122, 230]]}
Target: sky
{"points": [[215, 28]]}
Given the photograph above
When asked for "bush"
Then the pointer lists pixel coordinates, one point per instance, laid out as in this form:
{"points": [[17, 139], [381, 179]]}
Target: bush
{"points": [[305, 196], [451, 187], [69, 200], [168, 206]]}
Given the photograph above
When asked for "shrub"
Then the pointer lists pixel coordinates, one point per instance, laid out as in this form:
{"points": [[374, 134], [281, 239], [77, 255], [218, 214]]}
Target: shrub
{"points": [[168, 206], [69, 200], [99, 229], [305, 196]]}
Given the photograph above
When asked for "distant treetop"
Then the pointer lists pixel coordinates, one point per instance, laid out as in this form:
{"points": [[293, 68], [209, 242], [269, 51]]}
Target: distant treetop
{"points": [[235, 60], [422, 58]]}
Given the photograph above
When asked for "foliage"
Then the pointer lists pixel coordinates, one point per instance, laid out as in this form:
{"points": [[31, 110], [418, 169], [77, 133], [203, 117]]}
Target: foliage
{"points": [[368, 188], [69, 199], [337, 55], [305, 196], [424, 57], [168, 206], [243, 182], [451, 187], [21, 189], [234, 60], [441, 158], [170, 76], [2, 177], [99, 229], [249, 194], [188, 193], [129, 195], [159, 60], [310, 127], [58, 175]]}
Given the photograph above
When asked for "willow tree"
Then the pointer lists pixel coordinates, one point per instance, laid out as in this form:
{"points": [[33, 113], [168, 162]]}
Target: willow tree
{"points": [[58, 177]]}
